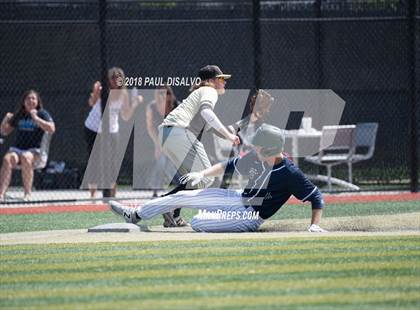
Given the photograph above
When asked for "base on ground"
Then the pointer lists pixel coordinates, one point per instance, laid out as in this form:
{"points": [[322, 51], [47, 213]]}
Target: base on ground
{"points": [[115, 227], [133, 228]]}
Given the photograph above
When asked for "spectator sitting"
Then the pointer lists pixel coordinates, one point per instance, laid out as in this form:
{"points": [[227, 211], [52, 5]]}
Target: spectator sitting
{"points": [[30, 121]]}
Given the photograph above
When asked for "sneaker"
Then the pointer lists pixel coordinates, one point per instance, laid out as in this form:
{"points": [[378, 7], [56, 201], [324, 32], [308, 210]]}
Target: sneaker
{"points": [[169, 220], [180, 222], [129, 214]]}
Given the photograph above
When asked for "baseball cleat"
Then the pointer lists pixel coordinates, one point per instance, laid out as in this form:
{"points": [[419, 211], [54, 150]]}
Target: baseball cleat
{"points": [[129, 214], [180, 222], [169, 220]]}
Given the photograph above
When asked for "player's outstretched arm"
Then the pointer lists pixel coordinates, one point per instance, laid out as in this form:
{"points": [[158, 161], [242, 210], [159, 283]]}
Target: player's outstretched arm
{"points": [[215, 170], [303, 189], [316, 216], [211, 118], [197, 177]]}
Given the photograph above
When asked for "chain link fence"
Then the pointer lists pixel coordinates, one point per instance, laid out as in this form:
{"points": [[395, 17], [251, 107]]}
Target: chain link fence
{"points": [[368, 52]]}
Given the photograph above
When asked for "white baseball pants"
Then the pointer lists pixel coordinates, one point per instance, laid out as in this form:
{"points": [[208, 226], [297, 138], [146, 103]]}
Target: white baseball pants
{"points": [[220, 210]]}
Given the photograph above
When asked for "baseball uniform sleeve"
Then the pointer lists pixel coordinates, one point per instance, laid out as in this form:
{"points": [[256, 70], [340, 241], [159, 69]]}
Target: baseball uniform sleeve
{"points": [[211, 118], [208, 97], [241, 165], [304, 190]]}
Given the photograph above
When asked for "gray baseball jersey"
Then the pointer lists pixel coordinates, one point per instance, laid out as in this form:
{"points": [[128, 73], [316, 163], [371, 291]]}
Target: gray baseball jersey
{"points": [[188, 110], [180, 129]]}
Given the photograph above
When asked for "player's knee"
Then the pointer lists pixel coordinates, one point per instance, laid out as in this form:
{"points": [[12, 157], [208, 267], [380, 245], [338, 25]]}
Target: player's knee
{"points": [[209, 226], [195, 223]]}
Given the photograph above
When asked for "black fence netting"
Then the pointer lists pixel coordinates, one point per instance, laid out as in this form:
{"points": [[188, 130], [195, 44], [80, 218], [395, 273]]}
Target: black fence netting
{"points": [[367, 52]]}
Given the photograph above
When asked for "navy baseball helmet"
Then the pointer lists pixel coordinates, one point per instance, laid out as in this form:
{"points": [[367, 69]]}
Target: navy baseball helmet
{"points": [[270, 138]]}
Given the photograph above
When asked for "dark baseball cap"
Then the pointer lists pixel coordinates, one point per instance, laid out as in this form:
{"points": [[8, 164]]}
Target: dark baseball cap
{"points": [[211, 72]]}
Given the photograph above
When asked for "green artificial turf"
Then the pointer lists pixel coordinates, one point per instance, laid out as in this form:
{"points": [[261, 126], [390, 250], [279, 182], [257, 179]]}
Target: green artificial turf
{"points": [[76, 220], [300, 273]]}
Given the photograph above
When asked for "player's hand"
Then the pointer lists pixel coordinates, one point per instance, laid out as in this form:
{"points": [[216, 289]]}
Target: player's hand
{"points": [[316, 229], [8, 116], [234, 139], [194, 177]]}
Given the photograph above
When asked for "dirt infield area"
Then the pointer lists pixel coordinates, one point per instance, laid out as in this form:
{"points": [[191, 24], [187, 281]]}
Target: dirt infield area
{"points": [[398, 224]]}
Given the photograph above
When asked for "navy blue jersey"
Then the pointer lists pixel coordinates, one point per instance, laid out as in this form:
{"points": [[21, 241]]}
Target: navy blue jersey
{"points": [[28, 133], [269, 188]]}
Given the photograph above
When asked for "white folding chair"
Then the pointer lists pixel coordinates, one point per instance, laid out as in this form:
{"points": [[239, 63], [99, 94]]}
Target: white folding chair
{"points": [[364, 141], [41, 161], [45, 150], [336, 147]]}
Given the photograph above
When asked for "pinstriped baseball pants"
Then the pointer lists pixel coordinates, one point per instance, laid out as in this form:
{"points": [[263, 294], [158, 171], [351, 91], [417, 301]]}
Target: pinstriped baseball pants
{"points": [[213, 200]]}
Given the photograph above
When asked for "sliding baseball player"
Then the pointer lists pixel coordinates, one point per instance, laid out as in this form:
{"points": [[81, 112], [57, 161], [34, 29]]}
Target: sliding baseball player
{"points": [[272, 179]]}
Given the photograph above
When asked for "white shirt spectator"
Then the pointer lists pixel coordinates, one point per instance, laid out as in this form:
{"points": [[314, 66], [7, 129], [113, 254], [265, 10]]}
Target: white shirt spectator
{"points": [[94, 119]]}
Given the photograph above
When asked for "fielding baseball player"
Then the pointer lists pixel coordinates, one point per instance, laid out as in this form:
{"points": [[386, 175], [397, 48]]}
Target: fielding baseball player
{"points": [[272, 179], [181, 129]]}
